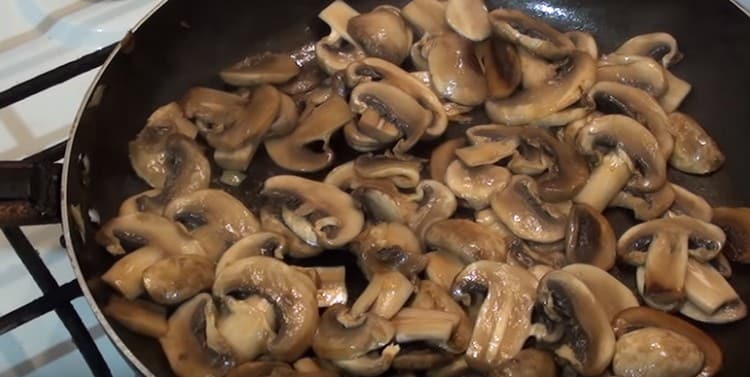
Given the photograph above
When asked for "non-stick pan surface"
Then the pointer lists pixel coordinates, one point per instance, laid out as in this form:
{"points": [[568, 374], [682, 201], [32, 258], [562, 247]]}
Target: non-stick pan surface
{"points": [[186, 42]]}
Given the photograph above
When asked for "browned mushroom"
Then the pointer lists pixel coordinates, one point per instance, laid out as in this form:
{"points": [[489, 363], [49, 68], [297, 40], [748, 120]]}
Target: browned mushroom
{"points": [[264, 68], [382, 33], [442, 156], [638, 71], [589, 238], [695, 151], [140, 316], [502, 67], [455, 70], [646, 205], [427, 16], [533, 34], [467, 240], [653, 351], [736, 225], [177, 278], [387, 247]]}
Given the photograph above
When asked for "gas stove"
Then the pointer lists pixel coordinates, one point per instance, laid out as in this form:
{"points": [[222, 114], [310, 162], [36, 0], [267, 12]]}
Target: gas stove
{"points": [[49, 52]]}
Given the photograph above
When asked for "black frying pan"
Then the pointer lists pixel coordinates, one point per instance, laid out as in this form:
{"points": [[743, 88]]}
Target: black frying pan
{"points": [[185, 43]]}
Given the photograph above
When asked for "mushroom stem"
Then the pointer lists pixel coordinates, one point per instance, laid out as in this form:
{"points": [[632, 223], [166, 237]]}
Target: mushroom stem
{"points": [[395, 291], [706, 288], [413, 330], [609, 177], [409, 314], [140, 316], [331, 284]]}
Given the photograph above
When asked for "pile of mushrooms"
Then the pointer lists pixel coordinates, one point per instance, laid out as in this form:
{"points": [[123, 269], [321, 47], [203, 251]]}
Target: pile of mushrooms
{"points": [[489, 255]]}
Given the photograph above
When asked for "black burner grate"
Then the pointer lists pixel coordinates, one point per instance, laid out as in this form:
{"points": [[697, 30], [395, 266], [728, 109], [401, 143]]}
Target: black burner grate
{"points": [[54, 297]]}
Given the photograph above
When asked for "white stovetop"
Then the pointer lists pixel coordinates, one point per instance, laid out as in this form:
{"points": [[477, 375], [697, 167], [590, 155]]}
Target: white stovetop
{"points": [[35, 36]]}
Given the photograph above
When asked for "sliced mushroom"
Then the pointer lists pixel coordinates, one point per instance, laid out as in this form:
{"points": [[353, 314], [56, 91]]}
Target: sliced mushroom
{"points": [[533, 34], [695, 151], [140, 316], [433, 296], [571, 79], [384, 296], [246, 326], [429, 325], [337, 50], [286, 119], [387, 247], [612, 295], [468, 18], [442, 156], [521, 253], [735, 222], [126, 275], [455, 71], [133, 205], [148, 153], [427, 16], [710, 298], [487, 152], [476, 185], [535, 71], [309, 77], [335, 340], [646, 205], [641, 317], [637, 71], [261, 369], [370, 365], [420, 359], [587, 342], [589, 238], [215, 218], [661, 47], [631, 157], [186, 342], [530, 160], [519, 207], [141, 229], [382, 201], [584, 42], [504, 319], [563, 117], [382, 33], [268, 244], [342, 176], [529, 362], [404, 172], [690, 204], [264, 68], [442, 267], [653, 352], [467, 240], [331, 285], [291, 292], [177, 278], [677, 90], [502, 67], [271, 220], [616, 98], [435, 202]]}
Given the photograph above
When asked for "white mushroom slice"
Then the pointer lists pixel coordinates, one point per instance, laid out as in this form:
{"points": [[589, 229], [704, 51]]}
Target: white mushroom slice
{"points": [[690, 204], [661, 47], [134, 205], [271, 220], [435, 202], [455, 71], [646, 205], [466, 240], [442, 156], [427, 16], [531, 33], [442, 267], [638, 71], [412, 325], [589, 238], [140, 316], [469, 18], [292, 151], [143, 229], [610, 293], [710, 298], [656, 352], [677, 90], [388, 246], [342, 176], [331, 285], [535, 71], [268, 244], [563, 117], [177, 278], [246, 326], [585, 42], [264, 68], [504, 320], [487, 153], [370, 365], [126, 275], [337, 50], [695, 151], [382, 200], [404, 172], [382, 33], [573, 78], [384, 296], [502, 67], [476, 185]]}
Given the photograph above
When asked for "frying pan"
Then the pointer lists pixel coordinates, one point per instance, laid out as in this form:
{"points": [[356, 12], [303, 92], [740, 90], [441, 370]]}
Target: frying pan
{"points": [[185, 43]]}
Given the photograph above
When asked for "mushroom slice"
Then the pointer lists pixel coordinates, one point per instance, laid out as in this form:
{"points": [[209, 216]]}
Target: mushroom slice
{"points": [[467, 240], [370, 365], [140, 316], [382, 201], [286, 120], [487, 153], [148, 154], [710, 298], [374, 126], [630, 156], [529, 160], [504, 320], [177, 278], [384, 296], [442, 156], [310, 75], [574, 77], [637, 71], [519, 207], [616, 98], [361, 142], [661, 47], [268, 244], [420, 359], [612, 295], [387, 247], [501, 65], [382, 33], [404, 172], [689, 204], [133, 204], [430, 295], [476, 185], [332, 214], [695, 151], [677, 90], [246, 325], [535, 71], [530, 362], [369, 69], [588, 342], [427, 16], [429, 325], [331, 285], [264, 68], [563, 117], [469, 18], [584, 42], [213, 111], [396, 107], [337, 50], [530, 33], [735, 222], [442, 267], [271, 220], [292, 151], [186, 341], [252, 122], [435, 202], [643, 317], [589, 238], [126, 275], [653, 351], [291, 292], [187, 170], [215, 218], [523, 254], [262, 369], [335, 340], [142, 229], [646, 205], [455, 71]]}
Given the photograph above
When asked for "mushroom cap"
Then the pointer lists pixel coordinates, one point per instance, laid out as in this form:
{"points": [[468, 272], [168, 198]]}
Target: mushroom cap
{"points": [[185, 343], [661, 47], [690, 204], [177, 278], [404, 172], [431, 295], [420, 359], [574, 77], [386, 247], [655, 352], [469, 18], [646, 205], [475, 185], [519, 207], [637, 71], [530, 362], [426, 16], [271, 220], [521, 253], [126, 275], [263, 68], [442, 267], [442, 156], [695, 151], [502, 67], [140, 316], [735, 222], [268, 244], [455, 71], [467, 240], [710, 298], [292, 292], [589, 343], [435, 202], [584, 41], [382, 201], [589, 238], [334, 216], [292, 151], [382, 33], [335, 341], [246, 325], [623, 134], [144, 229], [611, 294], [530, 33]]}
